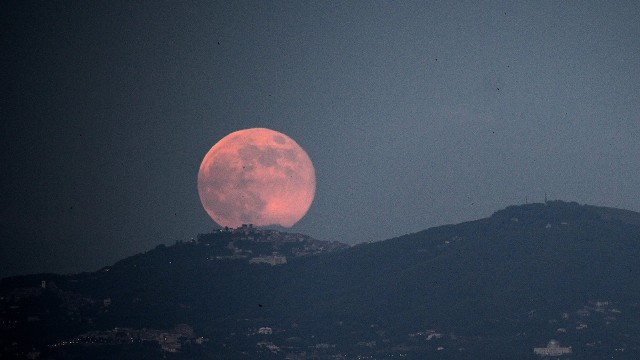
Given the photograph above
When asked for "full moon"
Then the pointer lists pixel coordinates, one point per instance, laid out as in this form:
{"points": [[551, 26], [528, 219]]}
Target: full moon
{"points": [[256, 176]]}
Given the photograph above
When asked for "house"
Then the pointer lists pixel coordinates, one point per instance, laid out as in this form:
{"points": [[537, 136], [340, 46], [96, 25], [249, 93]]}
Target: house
{"points": [[553, 349]]}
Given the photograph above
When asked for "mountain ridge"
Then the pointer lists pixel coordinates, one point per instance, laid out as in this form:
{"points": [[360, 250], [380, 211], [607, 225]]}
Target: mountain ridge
{"points": [[482, 282]]}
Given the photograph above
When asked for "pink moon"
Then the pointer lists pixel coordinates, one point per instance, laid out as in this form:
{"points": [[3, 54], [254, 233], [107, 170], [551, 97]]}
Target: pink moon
{"points": [[256, 176]]}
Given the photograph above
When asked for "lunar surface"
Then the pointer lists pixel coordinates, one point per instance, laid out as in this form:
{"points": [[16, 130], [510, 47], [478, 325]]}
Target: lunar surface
{"points": [[256, 176]]}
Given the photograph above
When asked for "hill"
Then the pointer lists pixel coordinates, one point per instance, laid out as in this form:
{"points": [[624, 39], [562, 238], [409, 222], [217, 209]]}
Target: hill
{"points": [[491, 288]]}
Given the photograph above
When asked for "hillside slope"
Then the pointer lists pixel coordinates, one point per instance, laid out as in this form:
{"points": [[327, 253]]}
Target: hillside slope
{"points": [[495, 287]]}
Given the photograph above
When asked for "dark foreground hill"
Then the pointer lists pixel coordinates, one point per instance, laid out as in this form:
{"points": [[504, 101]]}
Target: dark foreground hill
{"points": [[487, 289]]}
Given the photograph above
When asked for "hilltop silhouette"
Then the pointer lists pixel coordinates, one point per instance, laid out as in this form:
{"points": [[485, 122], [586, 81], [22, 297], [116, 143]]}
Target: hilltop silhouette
{"points": [[553, 273]]}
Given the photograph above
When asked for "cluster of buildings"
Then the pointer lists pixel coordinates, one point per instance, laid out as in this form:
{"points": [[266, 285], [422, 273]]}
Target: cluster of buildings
{"points": [[260, 246], [269, 260], [169, 341], [553, 348]]}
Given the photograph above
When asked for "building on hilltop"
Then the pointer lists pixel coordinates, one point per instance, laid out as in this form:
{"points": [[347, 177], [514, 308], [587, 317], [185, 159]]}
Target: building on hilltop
{"points": [[553, 349]]}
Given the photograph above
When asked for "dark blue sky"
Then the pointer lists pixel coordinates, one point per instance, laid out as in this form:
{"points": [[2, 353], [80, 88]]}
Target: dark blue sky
{"points": [[414, 114]]}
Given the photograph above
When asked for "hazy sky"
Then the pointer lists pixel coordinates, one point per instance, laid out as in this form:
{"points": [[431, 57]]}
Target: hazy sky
{"points": [[414, 114]]}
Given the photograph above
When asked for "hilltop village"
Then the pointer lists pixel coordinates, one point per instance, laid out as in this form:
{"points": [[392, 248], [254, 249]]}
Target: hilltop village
{"points": [[260, 246]]}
